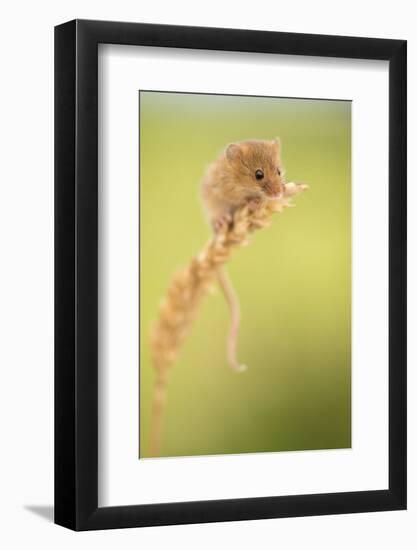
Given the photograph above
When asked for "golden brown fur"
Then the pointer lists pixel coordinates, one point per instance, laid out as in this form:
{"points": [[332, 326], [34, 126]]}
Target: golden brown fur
{"points": [[231, 181], [246, 173]]}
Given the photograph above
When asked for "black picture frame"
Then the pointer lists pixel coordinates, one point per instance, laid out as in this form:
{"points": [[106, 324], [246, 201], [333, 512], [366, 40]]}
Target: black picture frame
{"points": [[76, 272]]}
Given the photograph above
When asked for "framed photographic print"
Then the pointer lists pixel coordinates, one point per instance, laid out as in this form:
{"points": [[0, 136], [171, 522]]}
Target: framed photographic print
{"points": [[219, 354]]}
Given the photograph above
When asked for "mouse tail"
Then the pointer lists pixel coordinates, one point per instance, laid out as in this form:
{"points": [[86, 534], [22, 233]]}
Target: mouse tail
{"points": [[233, 303]]}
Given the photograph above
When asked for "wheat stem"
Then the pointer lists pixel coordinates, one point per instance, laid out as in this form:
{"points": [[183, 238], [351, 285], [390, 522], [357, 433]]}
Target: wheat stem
{"points": [[188, 287]]}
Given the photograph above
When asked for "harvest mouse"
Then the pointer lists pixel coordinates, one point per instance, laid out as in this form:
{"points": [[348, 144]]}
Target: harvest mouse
{"points": [[247, 172]]}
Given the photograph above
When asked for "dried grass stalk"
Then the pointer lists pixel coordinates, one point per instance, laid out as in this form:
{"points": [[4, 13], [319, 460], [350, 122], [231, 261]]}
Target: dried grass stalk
{"points": [[187, 288]]}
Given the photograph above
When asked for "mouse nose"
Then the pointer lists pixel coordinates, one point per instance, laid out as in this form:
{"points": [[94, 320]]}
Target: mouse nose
{"points": [[273, 189]]}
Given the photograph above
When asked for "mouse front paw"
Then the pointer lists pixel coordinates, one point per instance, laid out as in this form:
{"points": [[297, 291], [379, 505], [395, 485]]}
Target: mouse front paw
{"points": [[253, 203], [222, 223]]}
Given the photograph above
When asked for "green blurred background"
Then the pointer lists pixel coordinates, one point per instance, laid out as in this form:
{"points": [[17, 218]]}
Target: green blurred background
{"points": [[293, 280]]}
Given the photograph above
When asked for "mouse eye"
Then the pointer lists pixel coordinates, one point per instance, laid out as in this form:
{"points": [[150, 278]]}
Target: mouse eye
{"points": [[279, 171], [259, 174]]}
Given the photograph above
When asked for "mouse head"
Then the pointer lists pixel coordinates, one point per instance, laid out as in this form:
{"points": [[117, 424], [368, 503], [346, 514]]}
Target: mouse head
{"points": [[256, 165]]}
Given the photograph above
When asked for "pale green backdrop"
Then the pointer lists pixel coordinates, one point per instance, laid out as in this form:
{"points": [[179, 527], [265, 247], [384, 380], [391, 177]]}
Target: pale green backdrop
{"points": [[293, 280]]}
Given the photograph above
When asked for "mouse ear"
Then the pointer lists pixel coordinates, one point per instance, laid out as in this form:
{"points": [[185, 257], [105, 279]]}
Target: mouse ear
{"points": [[277, 143], [232, 151]]}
